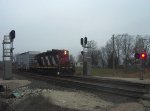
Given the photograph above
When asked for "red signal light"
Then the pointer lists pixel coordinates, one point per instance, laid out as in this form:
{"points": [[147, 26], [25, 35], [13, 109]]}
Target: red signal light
{"points": [[143, 55]]}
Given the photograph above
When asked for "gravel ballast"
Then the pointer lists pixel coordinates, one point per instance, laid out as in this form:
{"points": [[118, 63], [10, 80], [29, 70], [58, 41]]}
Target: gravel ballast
{"points": [[41, 96]]}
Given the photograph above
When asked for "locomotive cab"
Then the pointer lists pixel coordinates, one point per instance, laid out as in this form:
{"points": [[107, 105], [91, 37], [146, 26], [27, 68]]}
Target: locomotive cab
{"points": [[54, 62]]}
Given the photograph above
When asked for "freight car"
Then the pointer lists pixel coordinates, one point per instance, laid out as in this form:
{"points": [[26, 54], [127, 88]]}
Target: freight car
{"points": [[25, 61], [54, 62]]}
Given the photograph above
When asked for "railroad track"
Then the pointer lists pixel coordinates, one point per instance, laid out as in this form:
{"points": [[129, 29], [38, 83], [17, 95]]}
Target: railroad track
{"points": [[124, 88], [120, 85]]}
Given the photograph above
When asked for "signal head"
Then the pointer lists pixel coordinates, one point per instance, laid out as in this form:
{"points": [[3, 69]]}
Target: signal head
{"points": [[137, 56], [82, 41], [85, 40], [12, 35], [143, 55]]}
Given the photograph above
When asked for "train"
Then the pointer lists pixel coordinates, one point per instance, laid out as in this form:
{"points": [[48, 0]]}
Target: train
{"points": [[51, 62]]}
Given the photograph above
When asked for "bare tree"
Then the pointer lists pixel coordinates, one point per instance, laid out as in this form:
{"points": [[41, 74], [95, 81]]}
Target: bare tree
{"points": [[118, 40], [93, 52], [72, 58], [127, 48], [80, 58], [142, 43], [109, 52], [103, 57]]}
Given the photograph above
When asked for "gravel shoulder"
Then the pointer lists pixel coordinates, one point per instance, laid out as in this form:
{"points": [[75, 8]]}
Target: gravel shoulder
{"points": [[42, 96]]}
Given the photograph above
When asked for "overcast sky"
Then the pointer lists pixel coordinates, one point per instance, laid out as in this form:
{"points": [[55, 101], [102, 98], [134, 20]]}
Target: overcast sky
{"points": [[59, 24]]}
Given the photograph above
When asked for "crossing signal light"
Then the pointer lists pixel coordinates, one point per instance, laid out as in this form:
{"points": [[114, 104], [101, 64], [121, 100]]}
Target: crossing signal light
{"points": [[143, 56], [81, 41]]}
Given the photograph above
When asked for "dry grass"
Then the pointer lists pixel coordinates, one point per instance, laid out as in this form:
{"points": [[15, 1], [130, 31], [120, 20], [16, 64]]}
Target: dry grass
{"points": [[106, 72]]}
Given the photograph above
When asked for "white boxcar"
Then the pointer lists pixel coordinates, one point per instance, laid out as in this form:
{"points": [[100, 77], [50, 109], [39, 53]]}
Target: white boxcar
{"points": [[25, 60]]}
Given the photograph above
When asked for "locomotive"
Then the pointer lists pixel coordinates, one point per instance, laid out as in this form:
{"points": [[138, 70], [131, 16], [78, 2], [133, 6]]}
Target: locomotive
{"points": [[52, 62]]}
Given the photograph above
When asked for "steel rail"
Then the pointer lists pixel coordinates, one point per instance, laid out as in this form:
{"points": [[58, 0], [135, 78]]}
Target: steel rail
{"points": [[118, 87]]}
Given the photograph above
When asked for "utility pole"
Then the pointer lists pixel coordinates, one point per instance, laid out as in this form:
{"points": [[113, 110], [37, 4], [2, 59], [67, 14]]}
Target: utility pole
{"points": [[113, 52], [142, 55], [143, 59]]}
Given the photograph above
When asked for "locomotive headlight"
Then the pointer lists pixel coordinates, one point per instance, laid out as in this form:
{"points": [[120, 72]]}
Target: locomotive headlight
{"points": [[65, 52]]}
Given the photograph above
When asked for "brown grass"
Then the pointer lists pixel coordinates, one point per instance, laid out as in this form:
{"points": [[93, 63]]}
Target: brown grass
{"points": [[106, 72]]}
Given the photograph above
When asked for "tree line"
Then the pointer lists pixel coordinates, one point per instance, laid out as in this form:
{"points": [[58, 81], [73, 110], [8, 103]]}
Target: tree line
{"points": [[120, 49]]}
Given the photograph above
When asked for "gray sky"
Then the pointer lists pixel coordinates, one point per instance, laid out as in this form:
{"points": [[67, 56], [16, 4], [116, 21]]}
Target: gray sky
{"points": [[59, 24]]}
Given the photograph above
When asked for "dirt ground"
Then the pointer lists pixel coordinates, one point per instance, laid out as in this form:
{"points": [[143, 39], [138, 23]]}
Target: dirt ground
{"points": [[41, 96], [59, 101]]}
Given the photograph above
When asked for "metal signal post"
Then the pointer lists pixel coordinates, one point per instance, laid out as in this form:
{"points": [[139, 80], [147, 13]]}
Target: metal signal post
{"points": [[8, 55], [86, 60], [143, 57]]}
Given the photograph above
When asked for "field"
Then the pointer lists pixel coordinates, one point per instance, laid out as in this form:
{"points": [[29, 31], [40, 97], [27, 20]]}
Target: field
{"points": [[106, 72]]}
